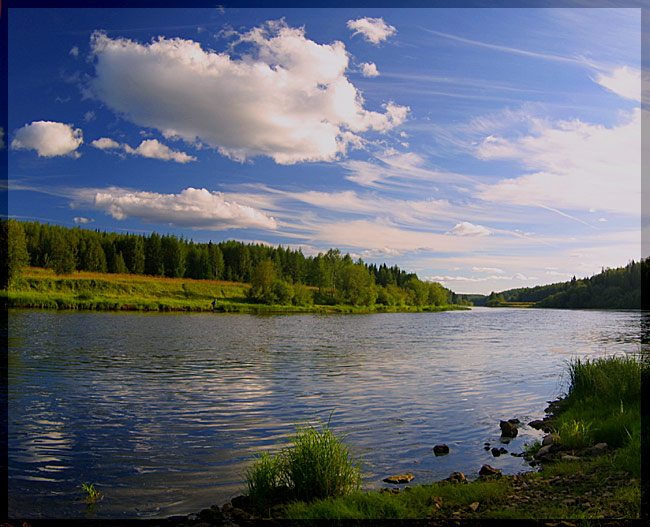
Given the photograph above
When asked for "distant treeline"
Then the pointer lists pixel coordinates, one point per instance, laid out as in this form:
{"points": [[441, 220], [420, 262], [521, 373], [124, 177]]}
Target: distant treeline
{"points": [[275, 273], [611, 289]]}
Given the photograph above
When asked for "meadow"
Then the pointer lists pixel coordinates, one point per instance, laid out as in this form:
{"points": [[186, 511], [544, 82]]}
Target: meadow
{"points": [[84, 290]]}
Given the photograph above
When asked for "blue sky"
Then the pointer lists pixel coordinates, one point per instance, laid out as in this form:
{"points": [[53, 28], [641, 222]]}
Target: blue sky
{"points": [[486, 149]]}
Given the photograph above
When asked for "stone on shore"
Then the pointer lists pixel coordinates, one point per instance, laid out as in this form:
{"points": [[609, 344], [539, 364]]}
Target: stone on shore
{"points": [[441, 450], [487, 470], [597, 450], [508, 429], [401, 478], [549, 439], [537, 424], [456, 477]]}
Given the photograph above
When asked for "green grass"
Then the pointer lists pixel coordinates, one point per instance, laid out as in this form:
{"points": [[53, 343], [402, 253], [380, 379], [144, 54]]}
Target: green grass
{"points": [[603, 404], [437, 500], [316, 465]]}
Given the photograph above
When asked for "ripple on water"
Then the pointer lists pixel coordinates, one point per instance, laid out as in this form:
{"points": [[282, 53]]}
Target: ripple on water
{"points": [[164, 412]]}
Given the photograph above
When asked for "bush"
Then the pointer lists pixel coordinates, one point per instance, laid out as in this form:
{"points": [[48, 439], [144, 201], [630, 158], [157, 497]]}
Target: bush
{"points": [[318, 465]]}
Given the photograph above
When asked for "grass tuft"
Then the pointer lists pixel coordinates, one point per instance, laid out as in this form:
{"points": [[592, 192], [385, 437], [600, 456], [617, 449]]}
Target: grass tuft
{"points": [[317, 465]]}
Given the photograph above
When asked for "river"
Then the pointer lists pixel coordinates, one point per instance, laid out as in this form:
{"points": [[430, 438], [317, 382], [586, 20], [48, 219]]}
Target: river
{"points": [[163, 412]]}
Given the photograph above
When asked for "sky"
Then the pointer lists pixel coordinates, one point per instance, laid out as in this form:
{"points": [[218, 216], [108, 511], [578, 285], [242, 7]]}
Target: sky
{"points": [[485, 149]]}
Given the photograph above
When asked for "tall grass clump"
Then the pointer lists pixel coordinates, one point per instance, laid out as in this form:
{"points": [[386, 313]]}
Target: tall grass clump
{"points": [[316, 465], [603, 404], [319, 465]]}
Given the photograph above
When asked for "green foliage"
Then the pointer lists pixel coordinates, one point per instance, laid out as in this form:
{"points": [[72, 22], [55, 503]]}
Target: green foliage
{"points": [[92, 494], [275, 274], [611, 289], [13, 251], [317, 465]]}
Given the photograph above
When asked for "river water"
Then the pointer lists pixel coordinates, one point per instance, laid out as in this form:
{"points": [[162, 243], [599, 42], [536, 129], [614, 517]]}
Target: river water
{"points": [[164, 412]]}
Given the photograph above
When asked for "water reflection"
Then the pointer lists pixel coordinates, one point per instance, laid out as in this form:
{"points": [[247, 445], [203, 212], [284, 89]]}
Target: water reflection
{"points": [[164, 412]]}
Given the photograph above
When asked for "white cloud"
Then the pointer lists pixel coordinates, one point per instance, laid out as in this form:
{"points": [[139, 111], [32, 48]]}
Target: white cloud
{"points": [[191, 208], [383, 252], [154, 149], [464, 228], [374, 30], [493, 270], [89, 116], [574, 165], [624, 81], [151, 148], [74, 51], [105, 143], [48, 138], [82, 220], [397, 169], [369, 69], [289, 99]]}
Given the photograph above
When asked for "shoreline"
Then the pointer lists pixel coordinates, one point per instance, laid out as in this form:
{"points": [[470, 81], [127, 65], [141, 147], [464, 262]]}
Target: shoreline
{"points": [[581, 483]]}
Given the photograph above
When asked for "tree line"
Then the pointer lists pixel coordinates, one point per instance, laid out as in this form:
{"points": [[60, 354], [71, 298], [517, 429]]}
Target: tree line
{"points": [[276, 274], [621, 288]]}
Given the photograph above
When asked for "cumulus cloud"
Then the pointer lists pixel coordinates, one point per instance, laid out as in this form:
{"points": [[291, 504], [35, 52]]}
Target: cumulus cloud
{"points": [[573, 165], [154, 149], [191, 208], [373, 30], [369, 69], [288, 99], [82, 220], [465, 228], [105, 143], [151, 148], [623, 81], [48, 138]]}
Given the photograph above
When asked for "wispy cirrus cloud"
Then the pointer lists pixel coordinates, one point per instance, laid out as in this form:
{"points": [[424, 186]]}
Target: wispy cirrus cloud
{"points": [[572, 164]]}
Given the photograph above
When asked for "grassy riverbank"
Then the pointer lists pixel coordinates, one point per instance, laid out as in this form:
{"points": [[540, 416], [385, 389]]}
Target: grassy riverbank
{"points": [[576, 480], [42, 288]]}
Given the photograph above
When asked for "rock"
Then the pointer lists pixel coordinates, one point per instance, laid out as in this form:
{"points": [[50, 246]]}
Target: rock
{"points": [[487, 470], [514, 421], [474, 506], [508, 429], [537, 424], [401, 478], [456, 477], [544, 451], [211, 514], [239, 515], [597, 450], [441, 450], [549, 439], [227, 507], [240, 502], [568, 457], [435, 501], [496, 452]]}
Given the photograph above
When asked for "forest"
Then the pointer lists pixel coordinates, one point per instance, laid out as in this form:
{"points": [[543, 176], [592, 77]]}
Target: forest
{"points": [[277, 275], [620, 288]]}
